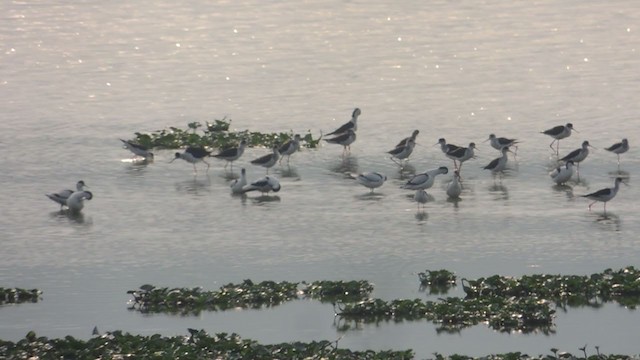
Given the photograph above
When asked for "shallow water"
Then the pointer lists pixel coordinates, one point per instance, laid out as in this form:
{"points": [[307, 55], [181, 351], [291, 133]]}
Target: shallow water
{"points": [[75, 78]]}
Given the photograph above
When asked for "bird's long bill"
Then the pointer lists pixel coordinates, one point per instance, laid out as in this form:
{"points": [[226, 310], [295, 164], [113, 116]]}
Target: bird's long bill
{"points": [[436, 144], [172, 160], [593, 147], [487, 140], [574, 129]]}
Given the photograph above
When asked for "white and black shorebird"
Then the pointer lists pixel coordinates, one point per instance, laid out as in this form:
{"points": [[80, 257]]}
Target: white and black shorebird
{"points": [[578, 155], [231, 154], [562, 174], [446, 147], [345, 139], [61, 196], [75, 202], [290, 147], [500, 142], [264, 185], [604, 195], [454, 189], [371, 180], [193, 155], [461, 155], [350, 125], [237, 185], [557, 133], [424, 180], [619, 148], [138, 149], [413, 137], [402, 152], [267, 161], [498, 165]]}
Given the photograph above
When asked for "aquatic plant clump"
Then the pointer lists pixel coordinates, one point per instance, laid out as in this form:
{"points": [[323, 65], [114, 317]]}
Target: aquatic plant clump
{"points": [[344, 291], [503, 314], [17, 295], [200, 345], [437, 281], [622, 286], [197, 345], [216, 135], [245, 295]]}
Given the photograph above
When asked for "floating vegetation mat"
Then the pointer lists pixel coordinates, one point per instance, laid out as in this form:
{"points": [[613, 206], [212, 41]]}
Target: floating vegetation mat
{"points": [[216, 135], [245, 295], [622, 286], [200, 345], [437, 281], [17, 295]]}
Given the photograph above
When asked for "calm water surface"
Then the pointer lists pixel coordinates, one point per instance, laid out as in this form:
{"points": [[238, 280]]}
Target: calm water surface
{"points": [[75, 77]]}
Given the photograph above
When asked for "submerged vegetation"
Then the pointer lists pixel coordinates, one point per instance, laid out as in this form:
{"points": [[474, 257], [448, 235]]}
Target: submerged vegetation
{"points": [[17, 295], [216, 135]]}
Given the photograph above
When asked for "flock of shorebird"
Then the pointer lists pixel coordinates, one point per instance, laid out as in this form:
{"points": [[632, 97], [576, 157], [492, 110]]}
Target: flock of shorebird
{"points": [[345, 135]]}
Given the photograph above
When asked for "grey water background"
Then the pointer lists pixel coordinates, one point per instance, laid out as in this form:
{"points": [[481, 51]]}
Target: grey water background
{"points": [[76, 76]]}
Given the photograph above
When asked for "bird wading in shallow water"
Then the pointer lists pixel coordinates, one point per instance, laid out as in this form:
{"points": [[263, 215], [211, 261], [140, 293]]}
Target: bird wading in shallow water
{"points": [[402, 152], [557, 133], [454, 189], [421, 198], [562, 174], [578, 155], [138, 149], [500, 142], [267, 161], [350, 125], [371, 180], [193, 155], [75, 202], [461, 155], [446, 147], [231, 154], [62, 196], [237, 185], [619, 148], [498, 165], [345, 140], [424, 180], [263, 185], [604, 195], [413, 137], [289, 148]]}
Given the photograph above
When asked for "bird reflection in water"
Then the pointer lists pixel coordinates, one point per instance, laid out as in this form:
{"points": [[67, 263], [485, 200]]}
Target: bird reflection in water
{"points": [[194, 186], [347, 164], [500, 190], [608, 221]]}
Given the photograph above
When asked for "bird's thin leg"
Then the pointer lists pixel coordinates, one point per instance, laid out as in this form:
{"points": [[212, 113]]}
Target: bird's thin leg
{"points": [[590, 205], [551, 145], [207, 164], [394, 160]]}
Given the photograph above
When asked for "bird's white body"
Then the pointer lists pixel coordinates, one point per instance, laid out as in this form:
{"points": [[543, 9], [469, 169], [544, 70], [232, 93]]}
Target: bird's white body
{"points": [[264, 185], [446, 147], [75, 202], [424, 180], [462, 154], [562, 174], [238, 184], [559, 132], [193, 155], [371, 180], [454, 189], [62, 196]]}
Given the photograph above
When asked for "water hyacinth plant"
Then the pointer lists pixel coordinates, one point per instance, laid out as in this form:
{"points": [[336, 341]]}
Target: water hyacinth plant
{"points": [[216, 135], [437, 281], [151, 299]]}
